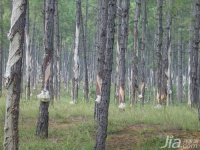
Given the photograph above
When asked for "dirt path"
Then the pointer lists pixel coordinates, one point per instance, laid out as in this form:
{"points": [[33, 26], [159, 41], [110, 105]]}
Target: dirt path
{"points": [[143, 136]]}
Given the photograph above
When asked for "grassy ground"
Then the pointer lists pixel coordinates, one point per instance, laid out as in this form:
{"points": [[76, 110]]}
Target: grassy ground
{"points": [[71, 127]]}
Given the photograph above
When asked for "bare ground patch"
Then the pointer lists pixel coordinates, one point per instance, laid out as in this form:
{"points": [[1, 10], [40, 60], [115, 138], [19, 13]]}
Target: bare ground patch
{"points": [[135, 136]]}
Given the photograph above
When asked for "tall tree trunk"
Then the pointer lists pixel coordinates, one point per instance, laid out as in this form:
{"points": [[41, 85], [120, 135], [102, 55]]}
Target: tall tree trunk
{"points": [[169, 80], [84, 34], [66, 66], [135, 54], [143, 47], [76, 52], [43, 15], [194, 80], [106, 82], [43, 119], [32, 52], [14, 74], [119, 22], [123, 49], [160, 40], [36, 72], [103, 12], [196, 51], [28, 60], [180, 76], [154, 70], [56, 52], [51, 85], [167, 57], [1, 45], [190, 84]]}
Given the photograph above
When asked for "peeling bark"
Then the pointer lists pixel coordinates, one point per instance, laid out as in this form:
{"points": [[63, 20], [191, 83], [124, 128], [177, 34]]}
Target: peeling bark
{"points": [[76, 52], [135, 54], [119, 22], [167, 57], [28, 59], [106, 82], [103, 12], [42, 124], [123, 49], [13, 74]]}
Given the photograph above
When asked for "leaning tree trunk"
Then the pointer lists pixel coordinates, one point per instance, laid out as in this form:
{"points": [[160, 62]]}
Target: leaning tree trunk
{"points": [[103, 10], [143, 47], [160, 40], [123, 49], [28, 91], [135, 54], [43, 119], [76, 52], [14, 74], [106, 82]]}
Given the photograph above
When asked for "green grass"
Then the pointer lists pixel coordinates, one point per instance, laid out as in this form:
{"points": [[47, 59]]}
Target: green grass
{"points": [[72, 126]]}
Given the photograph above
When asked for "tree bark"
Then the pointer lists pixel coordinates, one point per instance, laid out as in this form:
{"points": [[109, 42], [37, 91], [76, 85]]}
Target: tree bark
{"points": [[135, 54], [43, 119], [13, 74], [167, 57], [119, 22], [84, 33], [194, 80], [1, 46], [106, 82], [101, 48], [143, 47], [169, 80], [123, 49], [76, 52], [56, 53], [32, 52], [191, 30], [195, 88], [28, 69], [159, 45], [180, 76]]}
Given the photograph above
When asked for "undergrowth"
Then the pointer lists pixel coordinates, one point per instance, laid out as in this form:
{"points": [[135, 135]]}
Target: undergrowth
{"points": [[72, 127]]}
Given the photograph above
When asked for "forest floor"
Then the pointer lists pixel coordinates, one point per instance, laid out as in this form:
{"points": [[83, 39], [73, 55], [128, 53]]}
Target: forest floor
{"points": [[72, 127], [136, 135]]}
